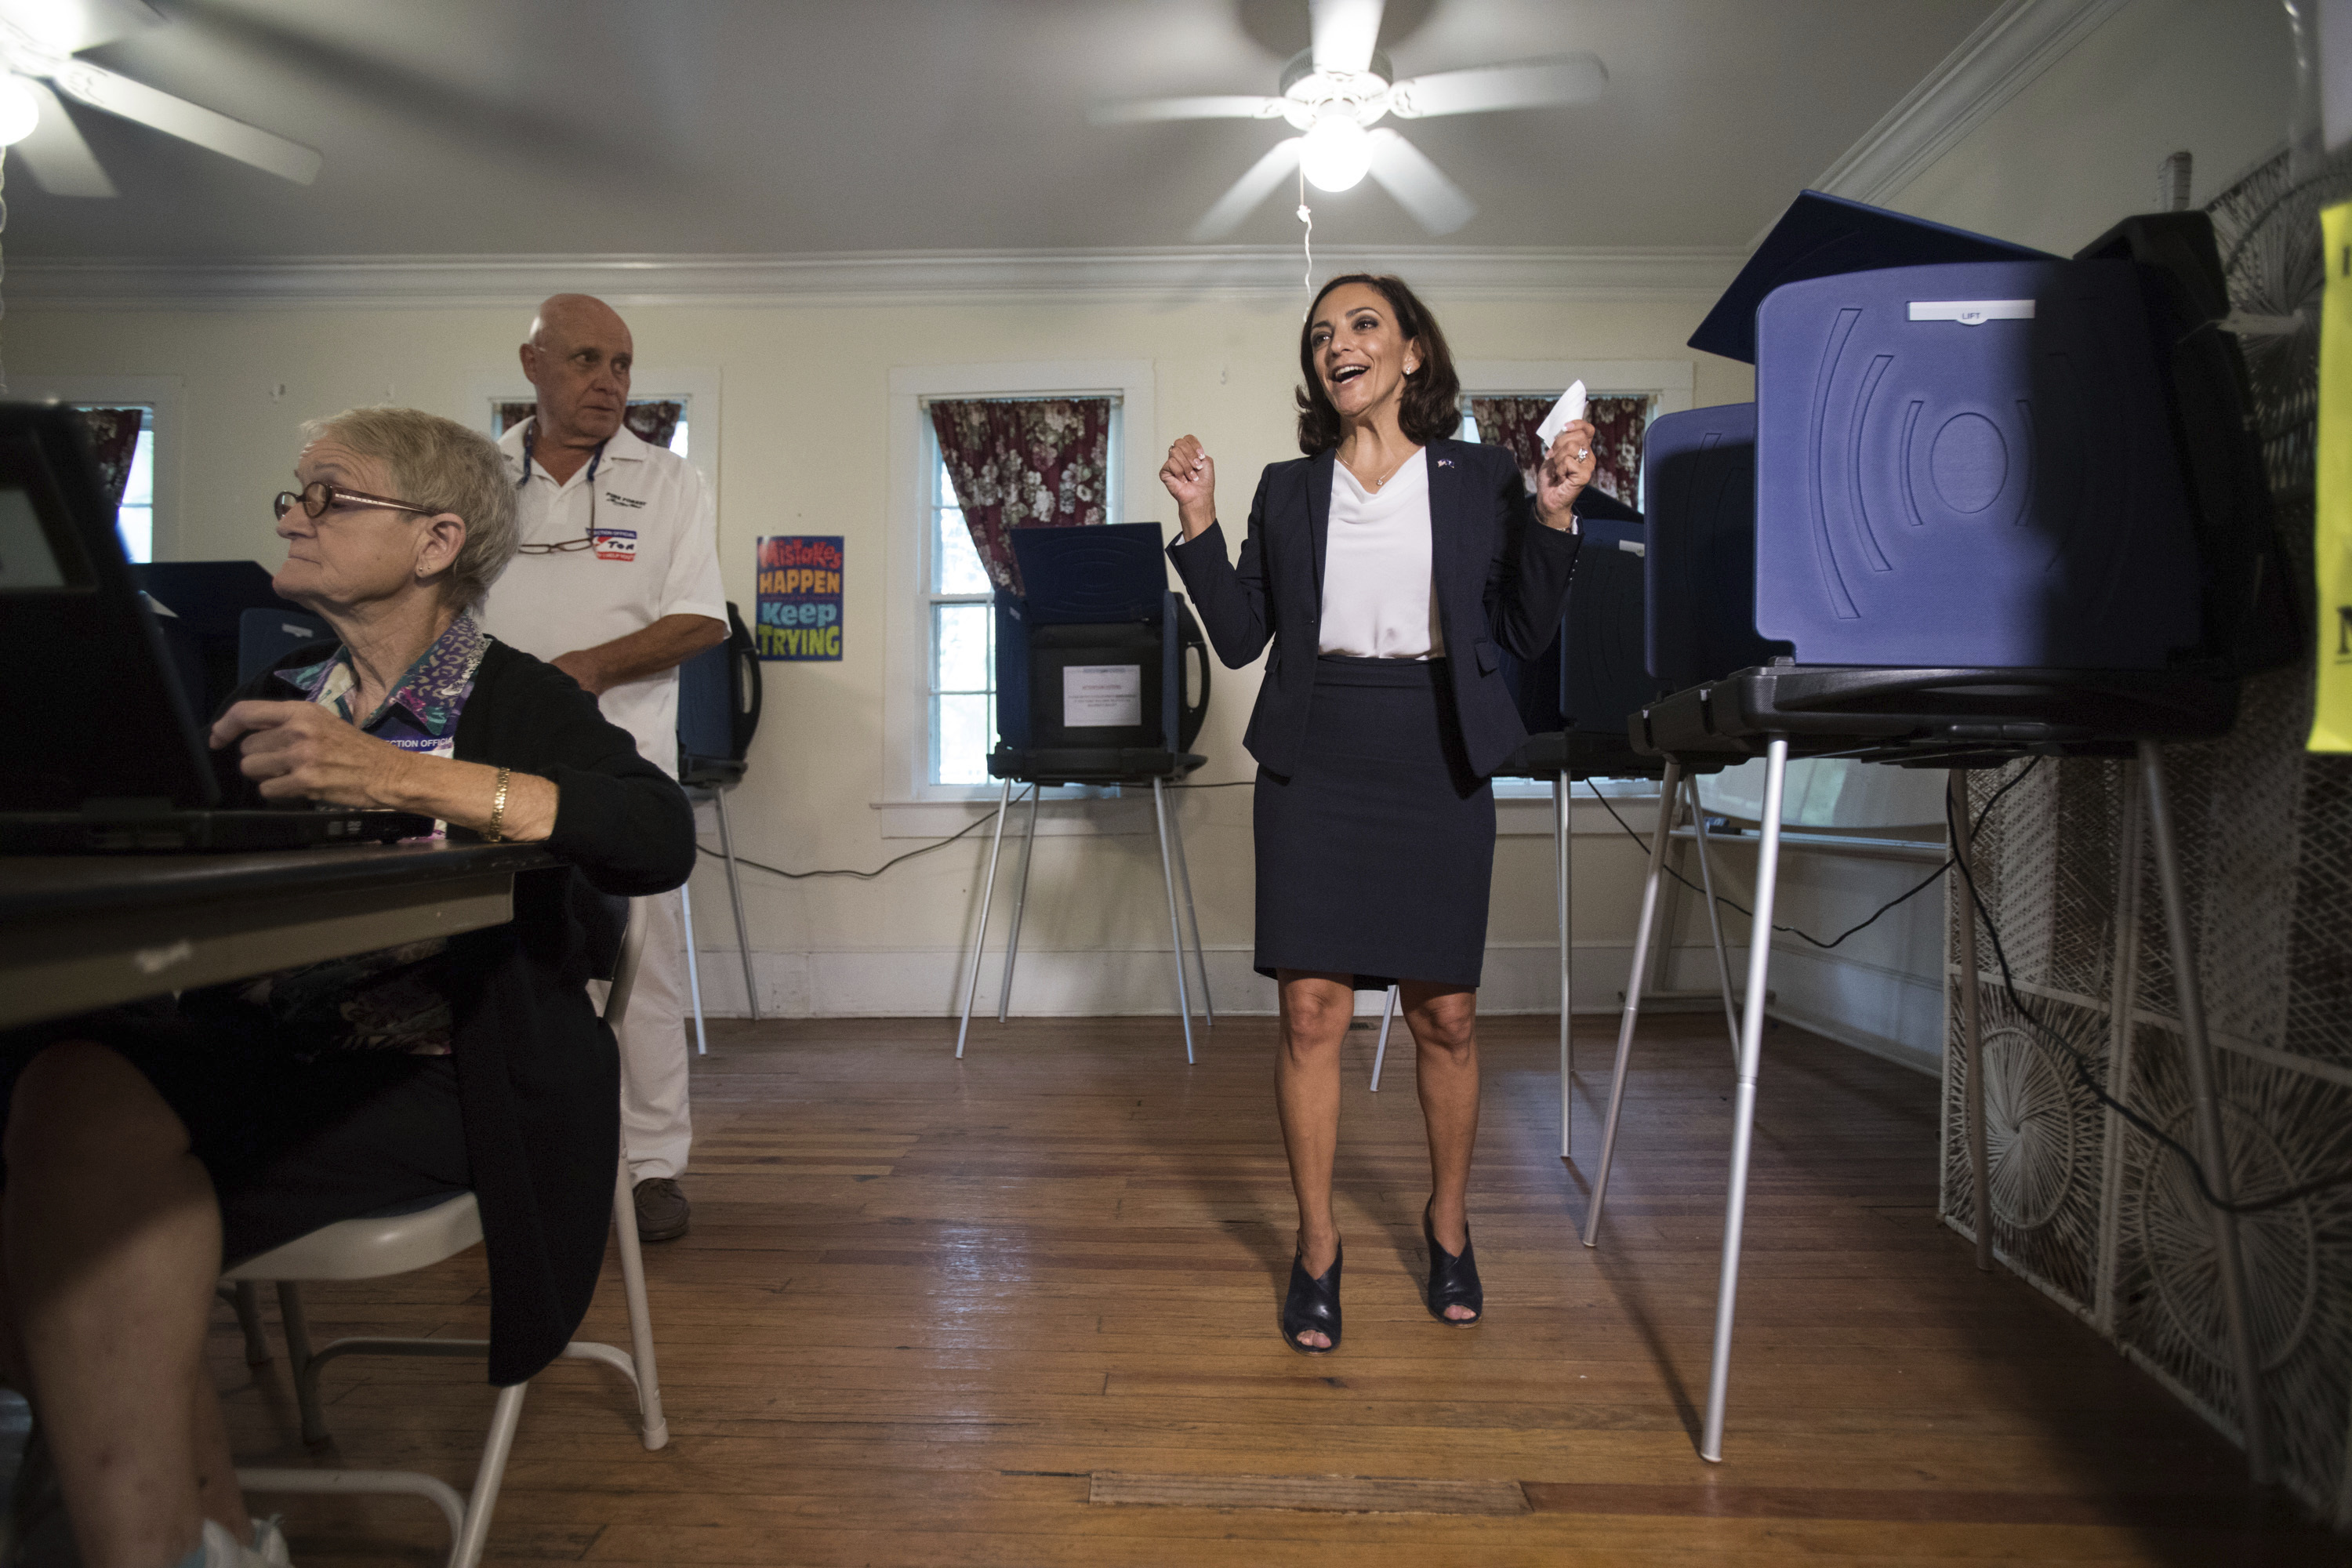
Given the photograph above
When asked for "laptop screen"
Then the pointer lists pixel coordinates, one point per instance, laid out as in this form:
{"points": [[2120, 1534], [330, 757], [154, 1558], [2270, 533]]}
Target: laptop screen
{"points": [[94, 714]]}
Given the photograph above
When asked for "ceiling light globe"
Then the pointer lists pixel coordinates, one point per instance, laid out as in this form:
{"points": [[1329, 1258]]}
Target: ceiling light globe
{"points": [[19, 110], [1335, 155]]}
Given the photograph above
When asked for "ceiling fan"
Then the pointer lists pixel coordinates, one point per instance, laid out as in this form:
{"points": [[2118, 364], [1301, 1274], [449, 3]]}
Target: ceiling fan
{"points": [[1336, 94], [38, 40]]}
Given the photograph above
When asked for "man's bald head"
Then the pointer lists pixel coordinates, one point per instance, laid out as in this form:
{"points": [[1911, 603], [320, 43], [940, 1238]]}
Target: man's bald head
{"points": [[578, 357]]}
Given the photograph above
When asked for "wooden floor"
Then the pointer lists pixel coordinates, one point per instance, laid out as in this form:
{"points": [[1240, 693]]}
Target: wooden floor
{"points": [[926, 1304]]}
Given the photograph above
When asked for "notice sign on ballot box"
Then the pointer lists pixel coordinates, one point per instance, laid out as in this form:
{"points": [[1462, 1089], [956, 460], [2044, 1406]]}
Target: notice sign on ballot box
{"points": [[1101, 696], [800, 597]]}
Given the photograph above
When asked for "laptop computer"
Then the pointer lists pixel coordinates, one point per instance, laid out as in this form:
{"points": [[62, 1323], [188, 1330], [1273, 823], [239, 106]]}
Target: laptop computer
{"points": [[102, 751]]}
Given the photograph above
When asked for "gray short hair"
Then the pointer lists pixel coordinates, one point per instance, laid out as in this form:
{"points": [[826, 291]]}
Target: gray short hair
{"points": [[442, 464]]}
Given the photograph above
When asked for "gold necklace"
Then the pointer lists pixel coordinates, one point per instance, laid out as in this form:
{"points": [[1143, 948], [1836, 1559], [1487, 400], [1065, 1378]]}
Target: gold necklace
{"points": [[1374, 485]]}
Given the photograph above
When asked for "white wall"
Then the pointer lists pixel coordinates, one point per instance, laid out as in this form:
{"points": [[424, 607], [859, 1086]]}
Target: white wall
{"points": [[804, 448]]}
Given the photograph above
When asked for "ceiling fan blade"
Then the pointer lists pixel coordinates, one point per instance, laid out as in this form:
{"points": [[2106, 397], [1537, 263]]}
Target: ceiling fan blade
{"points": [[1570, 78], [1143, 110], [1346, 33], [1420, 186], [55, 155], [133, 100], [1243, 197]]}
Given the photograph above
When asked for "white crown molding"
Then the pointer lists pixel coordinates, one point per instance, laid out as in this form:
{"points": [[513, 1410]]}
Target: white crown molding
{"points": [[1170, 275], [2011, 48]]}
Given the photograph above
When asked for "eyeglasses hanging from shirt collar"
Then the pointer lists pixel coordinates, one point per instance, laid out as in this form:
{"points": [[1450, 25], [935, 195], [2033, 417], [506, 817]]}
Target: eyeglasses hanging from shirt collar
{"points": [[316, 497], [529, 431]]}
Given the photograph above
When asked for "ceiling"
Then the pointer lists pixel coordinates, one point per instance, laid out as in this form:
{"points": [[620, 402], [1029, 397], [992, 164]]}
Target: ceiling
{"points": [[538, 127]]}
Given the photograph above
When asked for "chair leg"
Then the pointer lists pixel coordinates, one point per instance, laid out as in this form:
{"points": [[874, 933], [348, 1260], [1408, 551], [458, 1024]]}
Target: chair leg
{"points": [[1714, 916], [489, 1474], [1972, 1084], [1381, 1052], [1632, 1010], [1743, 1107], [1020, 906], [735, 893], [1192, 913], [2213, 1138], [693, 970], [300, 1360], [1175, 927], [246, 1296], [979, 927], [1560, 823], [653, 1427]]}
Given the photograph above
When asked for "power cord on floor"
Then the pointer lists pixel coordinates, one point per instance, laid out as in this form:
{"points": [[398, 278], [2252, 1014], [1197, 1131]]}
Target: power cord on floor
{"points": [[2081, 1066], [910, 855], [1913, 892]]}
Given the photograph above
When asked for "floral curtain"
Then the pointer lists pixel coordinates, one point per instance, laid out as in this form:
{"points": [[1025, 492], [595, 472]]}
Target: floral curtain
{"points": [[113, 438], [1618, 422], [654, 422], [1024, 463]]}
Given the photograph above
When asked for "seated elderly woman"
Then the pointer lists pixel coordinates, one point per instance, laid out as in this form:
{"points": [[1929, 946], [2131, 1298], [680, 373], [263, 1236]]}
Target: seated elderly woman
{"points": [[148, 1149]]}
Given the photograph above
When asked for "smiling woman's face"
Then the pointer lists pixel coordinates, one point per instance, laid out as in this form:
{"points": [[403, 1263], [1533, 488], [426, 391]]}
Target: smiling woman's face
{"points": [[1360, 356]]}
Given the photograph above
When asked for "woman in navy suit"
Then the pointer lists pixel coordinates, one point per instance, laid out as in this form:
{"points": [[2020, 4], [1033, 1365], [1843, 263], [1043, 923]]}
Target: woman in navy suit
{"points": [[1386, 567]]}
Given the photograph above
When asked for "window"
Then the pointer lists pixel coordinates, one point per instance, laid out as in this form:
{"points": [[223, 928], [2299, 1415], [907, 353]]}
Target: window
{"points": [[134, 516], [960, 613], [937, 719]]}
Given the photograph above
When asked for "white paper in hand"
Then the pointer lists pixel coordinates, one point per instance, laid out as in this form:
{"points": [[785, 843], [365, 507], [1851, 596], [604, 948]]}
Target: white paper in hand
{"points": [[1568, 409]]}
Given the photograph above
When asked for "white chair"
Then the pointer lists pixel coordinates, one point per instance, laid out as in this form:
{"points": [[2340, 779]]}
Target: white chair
{"points": [[433, 1230]]}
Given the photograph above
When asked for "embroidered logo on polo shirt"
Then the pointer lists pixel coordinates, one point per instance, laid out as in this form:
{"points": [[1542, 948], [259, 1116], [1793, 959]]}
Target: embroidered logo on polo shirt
{"points": [[616, 544], [630, 501]]}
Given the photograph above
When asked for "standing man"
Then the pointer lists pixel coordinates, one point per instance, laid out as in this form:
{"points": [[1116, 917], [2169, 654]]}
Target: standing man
{"points": [[616, 584]]}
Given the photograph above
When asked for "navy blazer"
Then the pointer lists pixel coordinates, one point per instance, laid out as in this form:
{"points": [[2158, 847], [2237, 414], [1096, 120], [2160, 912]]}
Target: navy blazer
{"points": [[1498, 576]]}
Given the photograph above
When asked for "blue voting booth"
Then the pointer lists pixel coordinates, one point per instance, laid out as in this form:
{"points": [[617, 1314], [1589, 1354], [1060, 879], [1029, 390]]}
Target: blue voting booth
{"points": [[1094, 685], [1988, 502]]}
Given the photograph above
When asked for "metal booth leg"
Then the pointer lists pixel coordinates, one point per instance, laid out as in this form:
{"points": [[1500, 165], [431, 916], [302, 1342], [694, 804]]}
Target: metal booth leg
{"points": [[693, 970], [1972, 1084], [735, 893], [1713, 915], [1743, 1109], [1559, 834], [980, 929], [2213, 1145], [1381, 1051], [1632, 999], [1020, 904], [1175, 927], [1200, 953]]}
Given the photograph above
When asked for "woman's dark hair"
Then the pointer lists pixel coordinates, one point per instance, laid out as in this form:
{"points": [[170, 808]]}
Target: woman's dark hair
{"points": [[1432, 395]]}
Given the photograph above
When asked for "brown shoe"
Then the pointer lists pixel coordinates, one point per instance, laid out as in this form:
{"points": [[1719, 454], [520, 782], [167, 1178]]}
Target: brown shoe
{"points": [[662, 1209]]}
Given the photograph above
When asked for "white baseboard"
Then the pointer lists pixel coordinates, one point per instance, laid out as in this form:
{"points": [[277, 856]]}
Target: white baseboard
{"points": [[928, 982]]}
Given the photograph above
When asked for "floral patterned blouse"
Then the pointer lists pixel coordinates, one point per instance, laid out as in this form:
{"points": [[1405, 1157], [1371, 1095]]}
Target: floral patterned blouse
{"points": [[393, 999]]}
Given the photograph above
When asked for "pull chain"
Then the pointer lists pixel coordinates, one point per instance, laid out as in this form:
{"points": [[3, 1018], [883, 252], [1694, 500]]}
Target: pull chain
{"points": [[1306, 217]]}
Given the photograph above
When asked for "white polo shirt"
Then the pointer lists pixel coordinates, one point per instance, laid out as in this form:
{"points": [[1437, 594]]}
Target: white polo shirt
{"points": [[656, 553]]}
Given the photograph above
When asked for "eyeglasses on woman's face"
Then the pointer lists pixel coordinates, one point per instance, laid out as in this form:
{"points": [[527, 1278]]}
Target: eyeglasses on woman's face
{"points": [[317, 496]]}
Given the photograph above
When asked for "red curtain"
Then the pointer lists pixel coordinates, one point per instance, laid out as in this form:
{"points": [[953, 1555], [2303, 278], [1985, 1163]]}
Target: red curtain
{"points": [[654, 422], [1617, 422], [113, 438], [1026, 463]]}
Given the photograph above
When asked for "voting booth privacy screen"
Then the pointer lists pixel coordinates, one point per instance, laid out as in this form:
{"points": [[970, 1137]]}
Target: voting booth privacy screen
{"points": [[1092, 655], [1964, 453]]}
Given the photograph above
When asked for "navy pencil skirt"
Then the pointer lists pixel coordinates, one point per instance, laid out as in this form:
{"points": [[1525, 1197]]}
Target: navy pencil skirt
{"points": [[1375, 857]]}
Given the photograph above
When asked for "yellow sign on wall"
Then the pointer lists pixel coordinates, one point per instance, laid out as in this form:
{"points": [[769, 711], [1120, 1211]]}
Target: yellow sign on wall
{"points": [[2331, 722]]}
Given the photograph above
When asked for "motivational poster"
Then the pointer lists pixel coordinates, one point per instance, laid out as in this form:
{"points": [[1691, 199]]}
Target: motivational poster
{"points": [[800, 597]]}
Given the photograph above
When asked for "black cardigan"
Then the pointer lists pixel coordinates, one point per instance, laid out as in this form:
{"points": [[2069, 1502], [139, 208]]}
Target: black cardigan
{"points": [[1498, 576], [539, 1073]]}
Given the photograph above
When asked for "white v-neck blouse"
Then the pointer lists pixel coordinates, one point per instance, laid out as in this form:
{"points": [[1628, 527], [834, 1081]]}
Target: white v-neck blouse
{"points": [[1377, 598]]}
